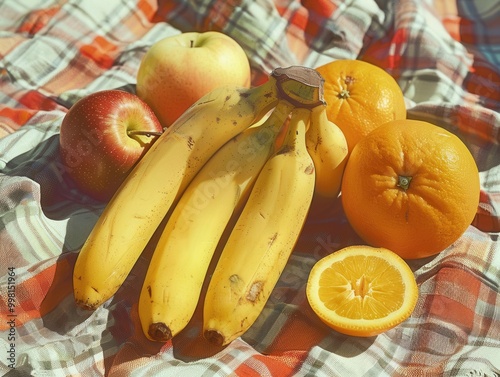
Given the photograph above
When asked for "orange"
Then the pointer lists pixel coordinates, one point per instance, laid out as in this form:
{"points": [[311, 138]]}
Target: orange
{"points": [[361, 290], [360, 96], [412, 187]]}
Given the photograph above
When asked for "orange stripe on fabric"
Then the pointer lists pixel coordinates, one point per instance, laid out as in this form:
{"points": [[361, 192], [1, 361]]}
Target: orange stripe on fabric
{"points": [[18, 116], [274, 364], [43, 292], [147, 8], [101, 51], [442, 307], [139, 29], [452, 25], [38, 19], [77, 75], [299, 19], [303, 322]]}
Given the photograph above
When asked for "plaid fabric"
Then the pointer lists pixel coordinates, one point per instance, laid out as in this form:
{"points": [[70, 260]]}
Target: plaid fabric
{"points": [[445, 55]]}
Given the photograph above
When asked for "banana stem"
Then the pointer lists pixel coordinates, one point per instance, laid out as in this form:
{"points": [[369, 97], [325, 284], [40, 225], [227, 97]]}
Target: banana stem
{"points": [[301, 86]]}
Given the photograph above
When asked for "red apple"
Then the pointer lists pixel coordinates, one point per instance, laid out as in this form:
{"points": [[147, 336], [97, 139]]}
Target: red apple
{"points": [[102, 137], [178, 70]]}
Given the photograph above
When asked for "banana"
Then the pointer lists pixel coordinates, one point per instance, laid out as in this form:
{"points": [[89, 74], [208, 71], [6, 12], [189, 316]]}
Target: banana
{"points": [[177, 270], [262, 239], [327, 147], [157, 181]]}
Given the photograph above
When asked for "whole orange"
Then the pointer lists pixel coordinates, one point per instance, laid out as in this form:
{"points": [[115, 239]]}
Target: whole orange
{"points": [[360, 96], [411, 187]]}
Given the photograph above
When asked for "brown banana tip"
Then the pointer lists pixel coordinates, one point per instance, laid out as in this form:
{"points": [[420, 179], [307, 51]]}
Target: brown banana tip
{"points": [[214, 337], [160, 332], [85, 305]]}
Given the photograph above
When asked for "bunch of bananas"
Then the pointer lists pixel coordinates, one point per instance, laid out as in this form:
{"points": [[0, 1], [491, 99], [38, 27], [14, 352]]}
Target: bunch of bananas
{"points": [[243, 161]]}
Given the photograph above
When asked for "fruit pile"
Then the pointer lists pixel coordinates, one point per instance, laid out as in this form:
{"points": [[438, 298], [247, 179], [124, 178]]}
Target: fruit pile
{"points": [[409, 190], [228, 166], [238, 170]]}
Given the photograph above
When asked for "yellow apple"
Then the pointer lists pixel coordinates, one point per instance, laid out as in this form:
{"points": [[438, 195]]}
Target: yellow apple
{"points": [[178, 70]]}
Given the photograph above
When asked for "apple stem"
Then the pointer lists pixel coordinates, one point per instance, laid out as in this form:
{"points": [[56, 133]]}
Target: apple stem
{"points": [[146, 133], [192, 43]]}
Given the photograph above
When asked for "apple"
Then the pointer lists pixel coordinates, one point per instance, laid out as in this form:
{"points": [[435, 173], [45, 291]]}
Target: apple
{"points": [[178, 70], [102, 137]]}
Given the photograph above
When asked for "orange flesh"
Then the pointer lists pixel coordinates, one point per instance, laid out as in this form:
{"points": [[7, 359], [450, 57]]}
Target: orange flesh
{"points": [[362, 291]]}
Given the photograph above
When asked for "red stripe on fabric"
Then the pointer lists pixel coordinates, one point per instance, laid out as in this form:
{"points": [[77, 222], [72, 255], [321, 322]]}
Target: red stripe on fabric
{"points": [[219, 14], [163, 10], [466, 30], [475, 123], [388, 52], [398, 44], [259, 77], [35, 100], [487, 219], [377, 54], [483, 80], [323, 8], [317, 12]]}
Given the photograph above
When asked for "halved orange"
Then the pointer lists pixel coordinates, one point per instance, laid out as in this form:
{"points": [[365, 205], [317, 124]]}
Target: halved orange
{"points": [[362, 290]]}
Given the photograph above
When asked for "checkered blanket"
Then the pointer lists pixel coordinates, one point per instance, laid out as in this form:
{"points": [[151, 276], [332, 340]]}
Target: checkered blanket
{"points": [[445, 55]]}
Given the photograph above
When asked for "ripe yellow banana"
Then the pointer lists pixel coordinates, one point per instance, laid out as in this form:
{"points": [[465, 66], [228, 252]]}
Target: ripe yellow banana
{"points": [[138, 207], [327, 147], [175, 276], [262, 239]]}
